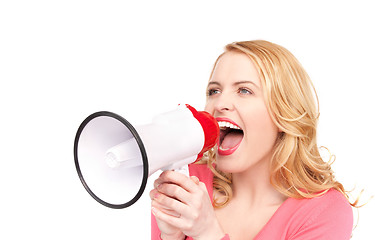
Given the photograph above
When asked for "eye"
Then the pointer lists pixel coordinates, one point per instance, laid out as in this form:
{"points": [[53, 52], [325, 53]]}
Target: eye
{"points": [[245, 91], [213, 91]]}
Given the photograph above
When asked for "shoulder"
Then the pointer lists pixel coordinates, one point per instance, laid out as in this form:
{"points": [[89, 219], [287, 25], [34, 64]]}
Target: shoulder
{"points": [[328, 206], [329, 216], [331, 201]]}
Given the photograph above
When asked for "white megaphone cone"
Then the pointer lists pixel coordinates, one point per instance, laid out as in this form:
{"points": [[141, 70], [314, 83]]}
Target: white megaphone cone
{"points": [[114, 159]]}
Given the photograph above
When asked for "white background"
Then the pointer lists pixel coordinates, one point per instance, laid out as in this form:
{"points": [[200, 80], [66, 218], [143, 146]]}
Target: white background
{"points": [[62, 60]]}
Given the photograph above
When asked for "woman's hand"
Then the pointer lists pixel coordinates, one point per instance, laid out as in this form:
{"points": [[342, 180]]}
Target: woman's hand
{"points": [[182, 204], [167, 231]]}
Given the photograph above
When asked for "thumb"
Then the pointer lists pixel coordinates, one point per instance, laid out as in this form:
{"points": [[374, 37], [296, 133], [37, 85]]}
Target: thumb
{"points": [[195, 179]]}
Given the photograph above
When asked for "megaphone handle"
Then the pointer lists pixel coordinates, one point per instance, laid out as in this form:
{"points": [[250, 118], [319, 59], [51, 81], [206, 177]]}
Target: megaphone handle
{"points": [[184, 170], [181, 166]]}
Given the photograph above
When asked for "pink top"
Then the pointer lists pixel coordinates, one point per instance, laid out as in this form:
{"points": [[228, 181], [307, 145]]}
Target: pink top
{"points": [[327, 217]]}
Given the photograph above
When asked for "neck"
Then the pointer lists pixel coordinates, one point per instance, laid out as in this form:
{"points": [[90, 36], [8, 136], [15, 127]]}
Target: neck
{"points": [[254, 186]]}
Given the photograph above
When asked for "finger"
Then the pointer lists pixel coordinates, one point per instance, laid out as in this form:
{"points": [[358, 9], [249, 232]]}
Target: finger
{"points": [[203, 187], [166, 210], [160, 180], [153, 193], [172, 220], [171, 203], [174, 191], [195, 179], [179, 179], [157, 182]]}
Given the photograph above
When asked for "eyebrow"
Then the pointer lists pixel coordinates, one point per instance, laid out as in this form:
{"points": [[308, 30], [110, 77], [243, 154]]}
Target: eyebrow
{"points": [[235, 84]]}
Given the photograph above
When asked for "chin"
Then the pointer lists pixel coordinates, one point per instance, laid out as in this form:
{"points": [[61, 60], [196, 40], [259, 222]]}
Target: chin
{"points": [[228, 164], [233, 164]]}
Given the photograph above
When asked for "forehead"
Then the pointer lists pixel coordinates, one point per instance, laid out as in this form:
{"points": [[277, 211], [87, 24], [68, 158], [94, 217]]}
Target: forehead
{"points": [[234, 66]]}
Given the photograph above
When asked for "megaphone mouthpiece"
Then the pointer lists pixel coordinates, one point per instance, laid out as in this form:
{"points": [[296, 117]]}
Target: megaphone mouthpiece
{"points": [[210, 128]]}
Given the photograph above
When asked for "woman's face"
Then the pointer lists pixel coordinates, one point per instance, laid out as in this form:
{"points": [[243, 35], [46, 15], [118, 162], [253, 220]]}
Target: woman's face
{"points": [[236, 100]]}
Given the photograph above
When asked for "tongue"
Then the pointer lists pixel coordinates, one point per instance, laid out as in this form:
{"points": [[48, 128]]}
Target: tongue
{"points": [[231, 140]]}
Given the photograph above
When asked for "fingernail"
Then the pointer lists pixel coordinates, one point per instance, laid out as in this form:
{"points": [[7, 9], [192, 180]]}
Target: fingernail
{"points": [[154, 211], [156, 195]]}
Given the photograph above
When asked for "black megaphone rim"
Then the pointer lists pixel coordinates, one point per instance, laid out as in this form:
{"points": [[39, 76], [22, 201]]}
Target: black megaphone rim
{"points": [[140, 145]]}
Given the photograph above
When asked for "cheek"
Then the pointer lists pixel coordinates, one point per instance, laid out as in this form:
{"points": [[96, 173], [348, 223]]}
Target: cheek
{"points": [[209, 107], [261, 133], [269, 126]]}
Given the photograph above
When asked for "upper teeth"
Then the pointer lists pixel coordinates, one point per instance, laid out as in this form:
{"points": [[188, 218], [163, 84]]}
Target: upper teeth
{"points": [[227, 124]]}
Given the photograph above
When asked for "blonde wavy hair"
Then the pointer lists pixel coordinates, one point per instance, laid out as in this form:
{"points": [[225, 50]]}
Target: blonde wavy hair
{"points": [[297, 167]]}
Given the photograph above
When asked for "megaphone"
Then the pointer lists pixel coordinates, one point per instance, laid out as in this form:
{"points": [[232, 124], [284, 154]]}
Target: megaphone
{"points": [[114, 159]]}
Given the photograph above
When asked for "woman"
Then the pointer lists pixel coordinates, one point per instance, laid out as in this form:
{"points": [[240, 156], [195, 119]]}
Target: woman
{"points": [[266, 178]]}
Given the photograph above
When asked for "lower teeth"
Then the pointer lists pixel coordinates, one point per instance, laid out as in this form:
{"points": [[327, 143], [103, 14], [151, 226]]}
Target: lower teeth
{"points": [[224, 149]]}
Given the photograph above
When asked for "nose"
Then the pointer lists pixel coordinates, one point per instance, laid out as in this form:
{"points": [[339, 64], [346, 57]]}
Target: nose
{"points": [[223, 103]]}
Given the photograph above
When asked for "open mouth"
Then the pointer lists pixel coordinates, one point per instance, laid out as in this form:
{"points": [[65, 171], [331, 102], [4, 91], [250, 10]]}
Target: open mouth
{"points": [[231, 136]]}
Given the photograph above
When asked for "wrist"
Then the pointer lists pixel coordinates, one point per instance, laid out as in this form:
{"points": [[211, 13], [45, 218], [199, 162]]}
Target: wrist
{"points": [[213, 233], [176, 236], [213, 236]]}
